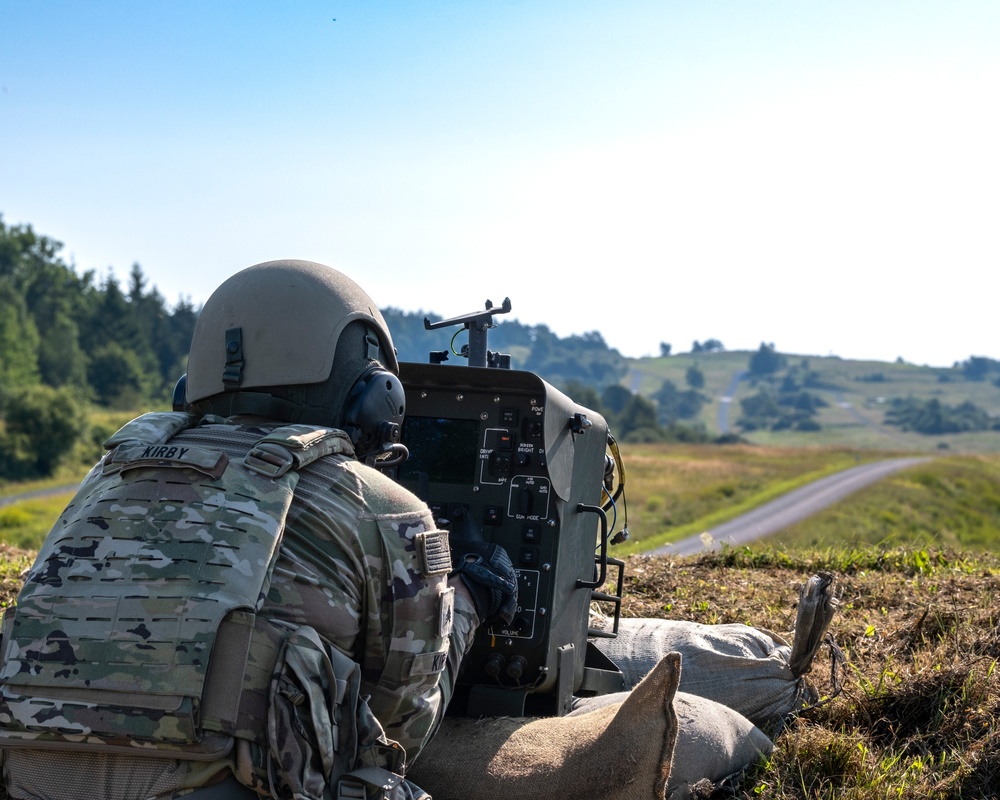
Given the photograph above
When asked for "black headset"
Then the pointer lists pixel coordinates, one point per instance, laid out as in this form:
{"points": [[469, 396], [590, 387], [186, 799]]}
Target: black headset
{"points": [[180, 390], [373, 413]]}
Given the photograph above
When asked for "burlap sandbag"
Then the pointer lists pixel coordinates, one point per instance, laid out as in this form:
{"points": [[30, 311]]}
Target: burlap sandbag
{"points": [[750, 670], [744, 668], [617, 752], [713, 744]]}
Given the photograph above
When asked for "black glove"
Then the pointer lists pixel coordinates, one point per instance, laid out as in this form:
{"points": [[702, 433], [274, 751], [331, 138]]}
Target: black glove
{"points": [[487, 573]]}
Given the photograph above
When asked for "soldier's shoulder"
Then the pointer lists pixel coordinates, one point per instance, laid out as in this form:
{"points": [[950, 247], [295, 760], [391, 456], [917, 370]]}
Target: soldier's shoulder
{"points": [[383, 495]]}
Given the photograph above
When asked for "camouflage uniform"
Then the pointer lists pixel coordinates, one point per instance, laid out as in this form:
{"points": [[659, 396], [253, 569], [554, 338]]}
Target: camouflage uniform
{"points": [[348, 568]]}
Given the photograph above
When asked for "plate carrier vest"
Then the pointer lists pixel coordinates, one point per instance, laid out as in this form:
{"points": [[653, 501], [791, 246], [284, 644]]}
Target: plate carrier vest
{"points": [[133, 628]]}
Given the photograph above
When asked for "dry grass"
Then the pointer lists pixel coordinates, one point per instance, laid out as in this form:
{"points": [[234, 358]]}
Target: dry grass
{"points": [[917, 714], [13, 562]]}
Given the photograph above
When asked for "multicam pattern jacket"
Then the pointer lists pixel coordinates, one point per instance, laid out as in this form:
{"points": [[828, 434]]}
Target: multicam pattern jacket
{"points": [[352, 567]]}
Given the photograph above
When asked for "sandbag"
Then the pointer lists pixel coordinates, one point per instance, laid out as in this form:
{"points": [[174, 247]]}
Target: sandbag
{"points": [[714, 742], [744, 668], [750, 670], [621, 751]]}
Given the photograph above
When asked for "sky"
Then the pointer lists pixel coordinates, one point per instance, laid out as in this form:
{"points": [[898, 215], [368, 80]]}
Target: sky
{"points": [[823, 177]]}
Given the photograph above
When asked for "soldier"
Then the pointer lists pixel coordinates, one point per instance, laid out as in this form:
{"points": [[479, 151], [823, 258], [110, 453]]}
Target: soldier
{"points": [[237, 603]]}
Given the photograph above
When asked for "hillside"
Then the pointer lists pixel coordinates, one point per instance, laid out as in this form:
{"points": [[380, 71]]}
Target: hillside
{"points": [[847, 400], [857, 395]]}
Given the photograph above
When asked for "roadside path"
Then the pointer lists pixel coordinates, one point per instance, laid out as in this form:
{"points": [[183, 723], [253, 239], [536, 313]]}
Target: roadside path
{"points": [[17, 498], [787, 510]]}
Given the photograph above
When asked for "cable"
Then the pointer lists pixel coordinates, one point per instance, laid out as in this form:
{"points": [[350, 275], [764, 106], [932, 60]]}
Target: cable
{"points": [[616, 454], [614, 518]]}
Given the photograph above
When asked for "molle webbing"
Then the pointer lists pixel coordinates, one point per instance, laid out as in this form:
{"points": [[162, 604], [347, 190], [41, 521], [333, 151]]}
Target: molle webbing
{"points": [[136, 624]]}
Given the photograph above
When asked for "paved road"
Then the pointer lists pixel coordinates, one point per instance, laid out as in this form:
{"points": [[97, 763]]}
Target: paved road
{"points": [[725, 402], [785, 511]]}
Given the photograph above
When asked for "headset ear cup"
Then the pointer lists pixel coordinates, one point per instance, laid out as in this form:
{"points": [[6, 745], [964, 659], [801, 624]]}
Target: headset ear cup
{"points": [[374, 411], [179, 402]]}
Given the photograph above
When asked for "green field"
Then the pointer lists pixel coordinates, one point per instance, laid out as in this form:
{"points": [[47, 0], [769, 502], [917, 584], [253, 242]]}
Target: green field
{"points": [[24, 524], [675, 491]]}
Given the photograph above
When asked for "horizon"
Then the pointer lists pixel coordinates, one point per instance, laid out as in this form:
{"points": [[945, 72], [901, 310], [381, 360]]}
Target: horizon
{"points": [[436, 314], [819, 178]]}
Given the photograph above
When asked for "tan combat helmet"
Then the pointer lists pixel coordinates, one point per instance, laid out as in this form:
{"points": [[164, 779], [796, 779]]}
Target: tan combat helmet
{"points": [[296, 341]]}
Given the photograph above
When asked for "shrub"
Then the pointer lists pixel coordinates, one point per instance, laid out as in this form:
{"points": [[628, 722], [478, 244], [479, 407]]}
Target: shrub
{"points": [[42, 425]]}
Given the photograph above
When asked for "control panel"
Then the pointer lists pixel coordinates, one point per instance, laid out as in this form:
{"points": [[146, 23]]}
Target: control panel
{"points": [[505, 456]]}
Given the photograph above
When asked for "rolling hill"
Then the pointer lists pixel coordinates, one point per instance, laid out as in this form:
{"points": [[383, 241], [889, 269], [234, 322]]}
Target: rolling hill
{"points": [[856, 396]]}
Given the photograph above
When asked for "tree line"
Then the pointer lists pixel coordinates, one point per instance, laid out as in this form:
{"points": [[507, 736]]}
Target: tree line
{"points": [[112, 346], [71, 343]]}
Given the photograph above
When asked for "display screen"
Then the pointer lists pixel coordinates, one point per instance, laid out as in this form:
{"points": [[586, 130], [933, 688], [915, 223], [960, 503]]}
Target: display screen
{"points": [[442, 450]]}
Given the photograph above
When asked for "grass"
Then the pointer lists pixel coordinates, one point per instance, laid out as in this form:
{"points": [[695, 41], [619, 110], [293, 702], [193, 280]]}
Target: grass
{"points": [[65, 478], [13, 563], [25, 524], [951, 502], [921, 693], [675, 490]]}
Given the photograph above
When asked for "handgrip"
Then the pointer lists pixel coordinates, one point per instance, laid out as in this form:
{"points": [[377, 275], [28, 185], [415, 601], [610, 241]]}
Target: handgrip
{"points": [[602, 559]]}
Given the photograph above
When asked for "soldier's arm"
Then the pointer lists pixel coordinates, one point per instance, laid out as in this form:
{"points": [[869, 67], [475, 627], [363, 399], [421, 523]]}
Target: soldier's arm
{"points": [[424, 635]]}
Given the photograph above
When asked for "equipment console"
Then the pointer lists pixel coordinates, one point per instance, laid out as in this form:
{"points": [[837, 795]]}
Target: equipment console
{"points": [[515, 461]]}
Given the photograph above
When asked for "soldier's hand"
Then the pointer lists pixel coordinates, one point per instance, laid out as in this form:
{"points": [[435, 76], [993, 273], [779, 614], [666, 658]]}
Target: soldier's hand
{"points": [[488, 574]]}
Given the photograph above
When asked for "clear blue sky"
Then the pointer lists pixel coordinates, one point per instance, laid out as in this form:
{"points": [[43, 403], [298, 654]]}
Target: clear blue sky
{"points": [[821, 176]]}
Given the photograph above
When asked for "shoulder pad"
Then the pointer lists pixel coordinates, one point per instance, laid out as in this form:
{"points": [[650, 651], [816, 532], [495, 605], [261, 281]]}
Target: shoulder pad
{"points": [[151, 428], [295, 446]]}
